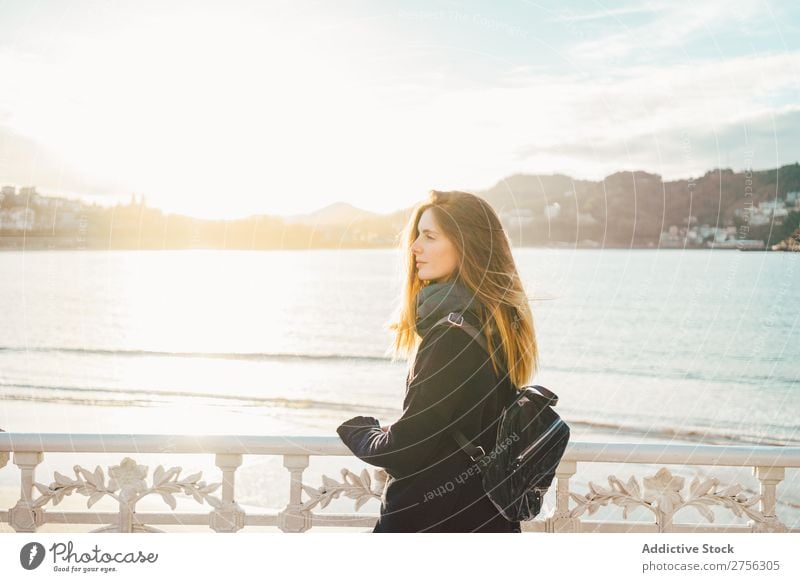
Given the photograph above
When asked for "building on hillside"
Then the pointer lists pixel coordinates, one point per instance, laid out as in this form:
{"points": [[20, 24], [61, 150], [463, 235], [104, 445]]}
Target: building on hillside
{"points": [[17, 218]]}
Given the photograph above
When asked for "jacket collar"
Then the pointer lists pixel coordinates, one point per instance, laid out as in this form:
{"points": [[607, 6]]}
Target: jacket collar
{"points": [[436, 300]]}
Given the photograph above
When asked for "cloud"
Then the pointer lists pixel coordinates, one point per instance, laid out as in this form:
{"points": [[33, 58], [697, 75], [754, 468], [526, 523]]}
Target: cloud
{"points": [[24, 162], [637, 119], [763, 141], [673, 26], [566, 15]]}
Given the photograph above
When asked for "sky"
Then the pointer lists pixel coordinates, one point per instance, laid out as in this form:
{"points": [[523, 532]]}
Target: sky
{"points": [[227, 109]]}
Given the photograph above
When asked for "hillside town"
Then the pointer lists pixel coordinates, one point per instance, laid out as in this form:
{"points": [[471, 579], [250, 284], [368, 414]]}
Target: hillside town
{"points": [[689, 235], [772, 212], [25, 210]]}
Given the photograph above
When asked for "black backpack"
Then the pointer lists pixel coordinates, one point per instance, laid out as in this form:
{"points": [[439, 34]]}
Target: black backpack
{"points": [[531, 439]]}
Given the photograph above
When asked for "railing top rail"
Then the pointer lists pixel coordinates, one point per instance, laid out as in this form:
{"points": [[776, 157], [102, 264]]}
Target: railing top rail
{"points": [[168, 443], [681, 454], [684, 454]]}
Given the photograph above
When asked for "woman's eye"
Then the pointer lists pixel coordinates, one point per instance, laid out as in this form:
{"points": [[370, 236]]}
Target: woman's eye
{"points": [[429, 237]]}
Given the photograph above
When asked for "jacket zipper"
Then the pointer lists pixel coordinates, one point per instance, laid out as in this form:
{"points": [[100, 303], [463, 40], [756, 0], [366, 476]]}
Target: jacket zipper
{"points": [[521, 457]]}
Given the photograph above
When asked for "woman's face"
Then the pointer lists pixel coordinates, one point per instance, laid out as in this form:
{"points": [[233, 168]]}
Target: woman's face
{"points": [[436, 256]]}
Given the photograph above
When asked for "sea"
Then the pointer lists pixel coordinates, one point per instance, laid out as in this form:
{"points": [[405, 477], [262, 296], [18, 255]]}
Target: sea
{"points": [[656, 345]]}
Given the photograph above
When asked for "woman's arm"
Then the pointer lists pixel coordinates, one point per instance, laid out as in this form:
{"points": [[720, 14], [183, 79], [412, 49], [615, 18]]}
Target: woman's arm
{"points": [[446, 363]]}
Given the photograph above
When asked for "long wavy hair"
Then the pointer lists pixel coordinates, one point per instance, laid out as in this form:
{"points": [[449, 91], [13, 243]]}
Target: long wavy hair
{"points": [[486, 268]]}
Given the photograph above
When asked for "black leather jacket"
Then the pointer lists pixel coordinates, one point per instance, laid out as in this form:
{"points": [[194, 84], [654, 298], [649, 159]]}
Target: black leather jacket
{"points": [[433, 485]]}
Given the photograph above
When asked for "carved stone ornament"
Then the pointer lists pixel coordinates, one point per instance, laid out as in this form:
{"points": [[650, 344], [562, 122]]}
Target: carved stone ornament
{"points": [[663, 496], [127, 485], [361, 488]]}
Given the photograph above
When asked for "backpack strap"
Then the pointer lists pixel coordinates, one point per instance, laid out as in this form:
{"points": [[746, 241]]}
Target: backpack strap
{"points": [[476, 453], [457, 319]]}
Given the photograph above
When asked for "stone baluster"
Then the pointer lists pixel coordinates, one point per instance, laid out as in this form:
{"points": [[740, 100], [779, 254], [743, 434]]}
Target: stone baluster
{"points": [[560, 521], [127, 507], [769, 478], [230, 517], [293, 519], [23, 517]]}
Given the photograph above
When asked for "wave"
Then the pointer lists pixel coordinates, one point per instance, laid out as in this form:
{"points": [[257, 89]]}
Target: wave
{"points": [[695, 435], [676, 374], [156, 397], [256, 356], [682, 374]]}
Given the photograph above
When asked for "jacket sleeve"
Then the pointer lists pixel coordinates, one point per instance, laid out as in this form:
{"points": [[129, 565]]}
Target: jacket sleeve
{"points": [[444, 366]]}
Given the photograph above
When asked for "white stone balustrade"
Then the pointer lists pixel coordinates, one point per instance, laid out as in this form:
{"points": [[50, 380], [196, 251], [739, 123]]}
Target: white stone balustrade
{"points": [[661, 492]]}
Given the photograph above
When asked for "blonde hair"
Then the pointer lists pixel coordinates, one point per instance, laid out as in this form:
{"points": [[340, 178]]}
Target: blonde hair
{"points": [[486, 268]]}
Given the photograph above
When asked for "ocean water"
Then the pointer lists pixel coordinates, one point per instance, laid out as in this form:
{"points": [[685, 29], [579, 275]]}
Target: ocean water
{"points": [[694, 345]]}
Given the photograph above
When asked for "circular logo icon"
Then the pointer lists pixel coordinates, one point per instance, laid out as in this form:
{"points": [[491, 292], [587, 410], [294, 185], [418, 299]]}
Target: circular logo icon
{"points": [[31, 555]]}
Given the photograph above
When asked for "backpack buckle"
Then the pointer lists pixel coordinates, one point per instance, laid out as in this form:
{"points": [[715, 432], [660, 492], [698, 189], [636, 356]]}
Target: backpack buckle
{"points": [[480, 456], [460, 321]]}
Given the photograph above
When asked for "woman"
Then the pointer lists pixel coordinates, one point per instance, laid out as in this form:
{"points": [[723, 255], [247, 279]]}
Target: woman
{"points": [[459, 261]]}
